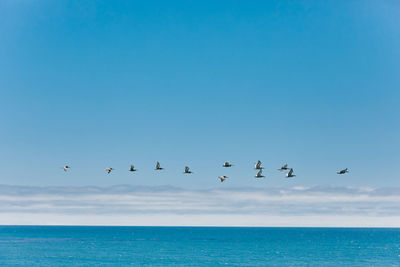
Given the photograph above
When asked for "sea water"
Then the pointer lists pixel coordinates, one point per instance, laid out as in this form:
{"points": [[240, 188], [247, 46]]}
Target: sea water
{"points": [[197, 246]]}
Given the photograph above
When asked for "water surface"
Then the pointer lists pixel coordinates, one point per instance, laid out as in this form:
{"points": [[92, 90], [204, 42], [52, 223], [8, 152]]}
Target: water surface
{"points": [[197, 246]]}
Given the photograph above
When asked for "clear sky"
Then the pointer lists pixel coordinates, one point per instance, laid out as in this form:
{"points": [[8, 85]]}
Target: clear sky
{"points": [[315, 84]]}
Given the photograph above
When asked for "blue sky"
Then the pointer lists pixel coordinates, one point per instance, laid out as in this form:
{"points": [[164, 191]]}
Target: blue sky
{"points": [[109, 83]]}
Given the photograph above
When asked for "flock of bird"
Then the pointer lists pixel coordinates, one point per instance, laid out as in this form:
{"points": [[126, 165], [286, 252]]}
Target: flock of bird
{"points": [[222, 178]]}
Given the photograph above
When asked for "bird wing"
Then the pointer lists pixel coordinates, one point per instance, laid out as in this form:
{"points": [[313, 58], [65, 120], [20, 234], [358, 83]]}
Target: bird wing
{"points": [[290, 172], [259, 173], [157, 165]]}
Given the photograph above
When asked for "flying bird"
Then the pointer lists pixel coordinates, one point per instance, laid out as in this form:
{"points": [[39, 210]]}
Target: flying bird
{"points": [[187, 171], [290, 174], [222, 178], [227, 165], [66, 167], [257, 166], [158, 167], [109, 169], [283, 168], [132, 169], [343, 171], [259, 174]]}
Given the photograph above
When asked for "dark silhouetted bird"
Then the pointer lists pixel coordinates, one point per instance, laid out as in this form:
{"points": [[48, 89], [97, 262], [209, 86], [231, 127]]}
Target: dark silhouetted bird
{"points": [[132, 169], [66, 167], [222, 178], [227, 165], [187, 171], [290, 173], [259, 174], [283, 168], [158, 167], [257, 166], [343, 171]]}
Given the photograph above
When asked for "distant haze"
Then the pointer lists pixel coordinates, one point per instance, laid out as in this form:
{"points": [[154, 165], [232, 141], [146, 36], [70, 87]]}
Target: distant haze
{"points": [[128, 205]]}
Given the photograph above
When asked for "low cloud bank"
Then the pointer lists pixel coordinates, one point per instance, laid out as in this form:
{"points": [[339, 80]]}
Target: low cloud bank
{"points": [[132, 205]]}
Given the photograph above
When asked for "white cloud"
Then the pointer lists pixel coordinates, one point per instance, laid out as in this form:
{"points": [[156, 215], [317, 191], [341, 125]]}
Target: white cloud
{"points": [[128, 205]]}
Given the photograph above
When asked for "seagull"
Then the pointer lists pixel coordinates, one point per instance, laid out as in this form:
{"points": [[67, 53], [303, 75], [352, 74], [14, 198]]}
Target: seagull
{"points": [[343, 171], [109, 169], [227, 164], [158, 167], [187, 171], [259, 174], [222, 178], [132, 169], [283, 168], [66, 167], [290, 174], [257, 166]]}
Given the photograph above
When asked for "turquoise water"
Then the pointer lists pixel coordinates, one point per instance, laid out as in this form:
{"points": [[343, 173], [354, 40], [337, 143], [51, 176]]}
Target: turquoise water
{"points": [[197, 246]]}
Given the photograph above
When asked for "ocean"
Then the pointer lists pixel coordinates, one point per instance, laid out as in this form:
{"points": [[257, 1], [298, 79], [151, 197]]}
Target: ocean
{"points": [[197, 246]]}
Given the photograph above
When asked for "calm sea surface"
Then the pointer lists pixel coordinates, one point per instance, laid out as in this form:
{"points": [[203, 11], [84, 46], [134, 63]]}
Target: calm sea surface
{"points": [[197, 246]]}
